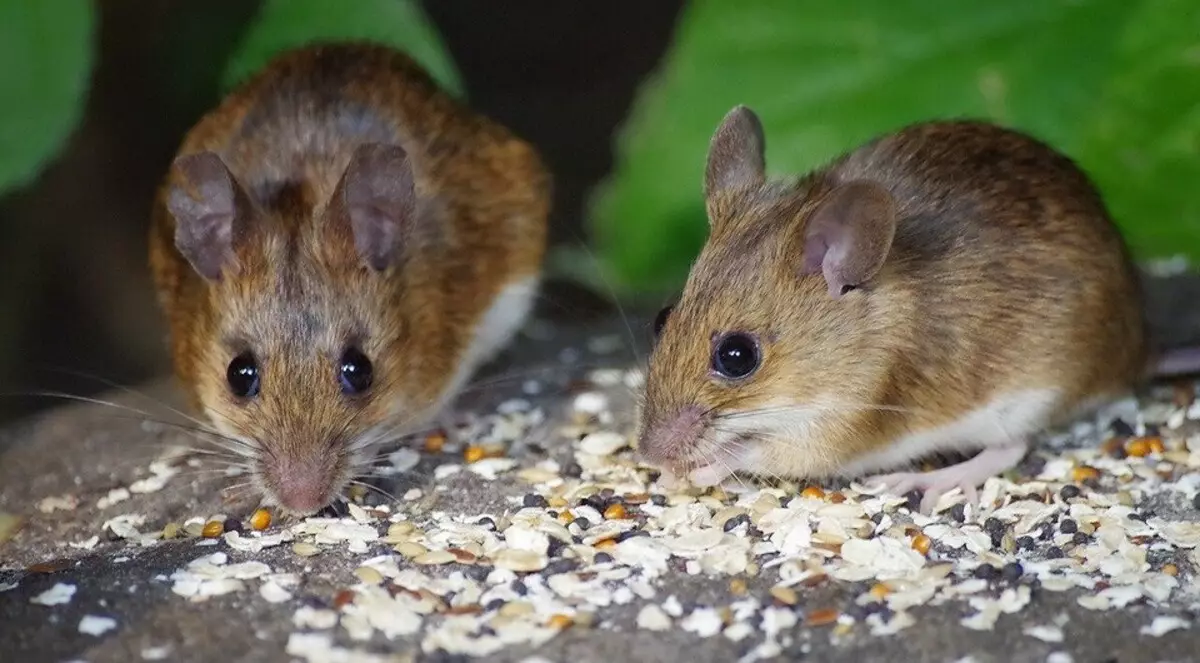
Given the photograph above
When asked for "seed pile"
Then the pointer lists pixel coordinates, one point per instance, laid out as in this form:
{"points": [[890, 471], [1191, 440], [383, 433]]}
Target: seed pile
{"points": [[1109, 512]]}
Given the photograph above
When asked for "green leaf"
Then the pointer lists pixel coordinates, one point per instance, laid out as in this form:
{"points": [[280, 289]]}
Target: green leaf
{"points": [[47, 56], [285, 24], [826, 76]]}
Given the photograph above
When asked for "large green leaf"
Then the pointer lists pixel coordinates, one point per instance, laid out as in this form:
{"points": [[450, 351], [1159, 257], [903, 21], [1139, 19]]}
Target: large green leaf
{"points": [[284, 24], [47, 56], [825, 76]]}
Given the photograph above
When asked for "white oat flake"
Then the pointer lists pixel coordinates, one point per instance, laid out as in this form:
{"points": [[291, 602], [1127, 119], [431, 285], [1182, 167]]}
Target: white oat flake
{"points": [[60, 594], [95, 625]]}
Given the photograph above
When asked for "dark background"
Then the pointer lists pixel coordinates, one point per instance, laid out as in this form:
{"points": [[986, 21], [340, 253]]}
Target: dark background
{"points": [[75, 293]]}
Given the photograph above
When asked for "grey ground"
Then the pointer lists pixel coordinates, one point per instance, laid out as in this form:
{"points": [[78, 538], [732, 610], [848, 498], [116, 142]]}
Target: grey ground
{"points": [[88, 449]]}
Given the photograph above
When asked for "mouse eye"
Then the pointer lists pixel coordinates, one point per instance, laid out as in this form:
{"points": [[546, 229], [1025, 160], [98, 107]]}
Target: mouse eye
{"points": [[735, 356], [243, 376], [661, 319], [355, 372]]}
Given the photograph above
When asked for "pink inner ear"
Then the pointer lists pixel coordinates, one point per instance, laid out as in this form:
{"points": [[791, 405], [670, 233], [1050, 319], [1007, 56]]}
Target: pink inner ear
{"points": [[849, 236]]}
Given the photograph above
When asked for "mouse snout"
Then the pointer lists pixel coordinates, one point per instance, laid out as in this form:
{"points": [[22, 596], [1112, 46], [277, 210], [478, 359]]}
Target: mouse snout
{"points": [[301, 486], [668, 438]]}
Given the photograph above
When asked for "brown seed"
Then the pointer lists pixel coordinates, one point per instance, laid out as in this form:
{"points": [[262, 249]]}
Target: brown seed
{"points": [[615, 511], [921, 544], [813, 492], [1156, 445], [560, 621], [1137, 447], [434, 442], [880, 590], [343, 598], [212, 529], [464, 556], [737, 587], [636, 498], [837, 497], [1082, 473], [53, 566], [821, 617], [785, 595], [606, 544], [474, 454], [464, 610], [1170, 569], [1111, 446], [260, 519]]}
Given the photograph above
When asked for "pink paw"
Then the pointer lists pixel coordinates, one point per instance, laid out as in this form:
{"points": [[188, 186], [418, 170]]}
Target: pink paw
{"points": [[931, 484]]}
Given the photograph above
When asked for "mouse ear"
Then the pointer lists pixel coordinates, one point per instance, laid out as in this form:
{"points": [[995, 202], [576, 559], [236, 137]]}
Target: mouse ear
{"points": [[209, 209], [849, 235], [380, 200], [736, 153]]}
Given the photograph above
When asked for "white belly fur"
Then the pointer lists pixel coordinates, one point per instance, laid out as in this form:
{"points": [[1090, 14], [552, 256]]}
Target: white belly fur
{"points": [[495, 329], [1008, 418]]}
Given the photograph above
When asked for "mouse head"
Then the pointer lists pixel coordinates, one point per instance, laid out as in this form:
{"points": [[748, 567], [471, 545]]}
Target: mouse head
{"points": [[295, 343], [775, 332]]}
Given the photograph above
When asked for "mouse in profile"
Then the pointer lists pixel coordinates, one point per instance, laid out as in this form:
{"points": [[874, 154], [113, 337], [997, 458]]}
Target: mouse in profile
{"points": [[951, 286], [337, 247]]}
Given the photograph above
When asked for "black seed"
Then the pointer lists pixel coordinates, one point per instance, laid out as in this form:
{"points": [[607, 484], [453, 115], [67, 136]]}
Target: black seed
{"points": [[596, 502], [914, 499], [885, 613], [993, 525], [877, 517], [1069, 492], [487, 631], [487, 522], [519, 587], [553, 514], [1122, 429], [477, 573], [958, 512], [754, 532], [1080, 538], [1012, 571], [856, 612], [234, 525], [533, 500], [583, 522], [1025, 543], [561, 566], [1196, 502], [875, 607], [572, 469], [997, 539], [733, 522], [1068, 526], [555, 548], [1047, 532], [658, 500], [631, 533], [607, 493], [1054, 553], [986, 572], [603, 558]]}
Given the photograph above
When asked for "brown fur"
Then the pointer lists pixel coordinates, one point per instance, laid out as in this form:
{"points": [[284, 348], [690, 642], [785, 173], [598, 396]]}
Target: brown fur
{"points": [[1005, 273], [299, 292]]}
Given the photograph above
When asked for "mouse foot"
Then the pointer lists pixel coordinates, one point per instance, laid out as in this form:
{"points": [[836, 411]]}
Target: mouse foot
{"points": [[966, 476]]}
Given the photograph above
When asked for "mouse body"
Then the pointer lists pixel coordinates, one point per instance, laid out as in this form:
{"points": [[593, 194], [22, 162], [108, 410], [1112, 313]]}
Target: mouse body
{"points": [[951, 286], [337, 247]]}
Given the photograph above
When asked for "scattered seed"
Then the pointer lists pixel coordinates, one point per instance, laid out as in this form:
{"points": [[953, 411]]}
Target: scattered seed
{"points": [[1080, 538], [1082, 473], [582, 522], [921, 543], [170, 530], [305, 549], [535, 501], [260, 519], [434, 442], [1196, 501], [837, 497], [615, 512], [1137, 447], [566, 517], [989, 572], [1170, 569], [1156, 445], [369, 575], [1055, 553], [658, 500], [958, 512], [434, 558], [212, 529], [1025, 543], [343, 598], [560, 621], [603, 558], [821, 617], [1012, 571], [474, 454], [1068, 526], [1069, 492], [411, 550], [733, 522], [737, 587], [785, 595], [557, 502], [813, 492], [880, 590]]}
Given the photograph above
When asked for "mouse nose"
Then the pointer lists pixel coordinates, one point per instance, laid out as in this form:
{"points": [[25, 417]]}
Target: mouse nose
{"points": [[668, 438], [302, 487]]}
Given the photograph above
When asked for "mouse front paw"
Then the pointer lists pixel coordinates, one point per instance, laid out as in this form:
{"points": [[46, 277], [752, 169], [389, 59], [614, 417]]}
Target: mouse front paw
{"points": [[966, 476]]}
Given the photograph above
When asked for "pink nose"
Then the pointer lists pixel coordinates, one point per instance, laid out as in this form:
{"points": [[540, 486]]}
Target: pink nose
{"points": [[669, 438], [301, 487]]}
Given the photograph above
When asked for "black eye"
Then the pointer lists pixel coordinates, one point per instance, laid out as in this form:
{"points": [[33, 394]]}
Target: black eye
{"points": [[355, 372], [735, 356], [661, 319], [243, 376]]}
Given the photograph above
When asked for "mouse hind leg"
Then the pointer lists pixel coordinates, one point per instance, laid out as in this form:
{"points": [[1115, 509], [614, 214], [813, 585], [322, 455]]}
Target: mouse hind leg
{"points": [[966, 476], [1003, 429]]}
